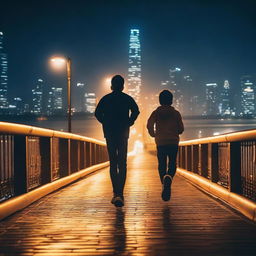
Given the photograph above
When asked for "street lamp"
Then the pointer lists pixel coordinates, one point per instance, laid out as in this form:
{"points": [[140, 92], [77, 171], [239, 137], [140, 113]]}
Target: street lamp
{"points": [[59, 62]]}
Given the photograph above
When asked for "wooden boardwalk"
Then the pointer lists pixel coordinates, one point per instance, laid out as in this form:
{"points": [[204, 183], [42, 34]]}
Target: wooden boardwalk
{"points": [[79, 220]]}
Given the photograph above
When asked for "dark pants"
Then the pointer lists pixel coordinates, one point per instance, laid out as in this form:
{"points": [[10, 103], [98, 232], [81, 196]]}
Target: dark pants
{"points": [[117, 151], [165, 152]]}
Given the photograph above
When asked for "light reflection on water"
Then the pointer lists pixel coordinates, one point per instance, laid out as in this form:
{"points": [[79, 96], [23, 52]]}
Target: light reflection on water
{"points": [[193, 128], [204, 128]]}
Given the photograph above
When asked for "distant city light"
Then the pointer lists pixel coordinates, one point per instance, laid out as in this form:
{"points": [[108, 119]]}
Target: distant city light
{"points": [[134, 69]]}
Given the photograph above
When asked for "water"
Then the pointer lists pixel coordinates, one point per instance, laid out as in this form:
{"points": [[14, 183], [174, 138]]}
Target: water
{"points": [[204, 128], [197, 128], [88, 126]]}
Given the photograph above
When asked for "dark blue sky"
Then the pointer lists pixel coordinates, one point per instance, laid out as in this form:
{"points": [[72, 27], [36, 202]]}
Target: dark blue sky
{"points": [[211, 40]]}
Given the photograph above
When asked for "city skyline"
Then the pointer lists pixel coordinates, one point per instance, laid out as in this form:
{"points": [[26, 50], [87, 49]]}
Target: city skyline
{"points": [[162, 52], [216, 101], [211, 39]]}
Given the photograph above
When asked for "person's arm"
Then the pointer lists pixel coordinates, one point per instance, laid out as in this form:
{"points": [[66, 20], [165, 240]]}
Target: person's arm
{"points": [[134, 112], [180, 124], [151, 124], [99, 113]]}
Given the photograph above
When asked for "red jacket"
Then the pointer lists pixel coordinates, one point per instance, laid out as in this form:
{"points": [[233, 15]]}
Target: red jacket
{"points": [[165, 124]]}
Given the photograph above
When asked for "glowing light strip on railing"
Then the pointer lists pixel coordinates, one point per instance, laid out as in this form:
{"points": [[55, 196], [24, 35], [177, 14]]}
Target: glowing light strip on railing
{"points": [[236, 136], [12, 128]]}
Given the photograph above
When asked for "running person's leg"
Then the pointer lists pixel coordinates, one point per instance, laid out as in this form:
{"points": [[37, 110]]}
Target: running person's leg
{"points": [[172, 158], [172, 151], [162, 161], [122, 163], [112, 153]]}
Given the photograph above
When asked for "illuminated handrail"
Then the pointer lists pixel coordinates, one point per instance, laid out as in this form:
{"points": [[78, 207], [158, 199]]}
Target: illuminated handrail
{"points": [[228, 160], [230, 137], [31, 157], [12, 128]]}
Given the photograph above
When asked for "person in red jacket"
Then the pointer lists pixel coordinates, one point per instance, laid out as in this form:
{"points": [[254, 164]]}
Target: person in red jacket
{"points": [[165, 125]]}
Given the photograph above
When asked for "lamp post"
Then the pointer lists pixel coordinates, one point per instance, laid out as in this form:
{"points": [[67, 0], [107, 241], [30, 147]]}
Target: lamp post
{"points": [[58, 62]]}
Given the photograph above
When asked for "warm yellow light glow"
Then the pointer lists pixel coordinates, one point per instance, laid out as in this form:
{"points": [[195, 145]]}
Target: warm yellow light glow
{"points": [[133, 131], [58, 62], [138, 148], [106, 84], [108, 81]]}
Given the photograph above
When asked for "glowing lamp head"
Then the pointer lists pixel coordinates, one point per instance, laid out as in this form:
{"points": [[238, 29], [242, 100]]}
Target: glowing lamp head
{"points": [[58, 62]]}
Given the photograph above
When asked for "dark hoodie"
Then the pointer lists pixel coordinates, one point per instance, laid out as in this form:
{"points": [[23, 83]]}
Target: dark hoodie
{"points": [[165, 124]]}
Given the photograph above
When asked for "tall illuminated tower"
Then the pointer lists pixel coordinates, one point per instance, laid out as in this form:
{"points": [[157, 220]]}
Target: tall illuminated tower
{"points": [[3, 77], [176, 84], [211, 99], [37, 104], [247, 96], [134, 70], [224, 106]]}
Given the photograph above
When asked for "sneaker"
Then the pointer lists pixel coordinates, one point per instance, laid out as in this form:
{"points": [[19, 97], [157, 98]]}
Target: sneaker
{"points": [[119, 201], [113, 199], [167, 182]]}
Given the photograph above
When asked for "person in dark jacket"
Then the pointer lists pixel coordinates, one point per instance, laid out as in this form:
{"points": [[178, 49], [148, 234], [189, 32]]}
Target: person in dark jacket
{"points": [[117, 111], [165, 125]]}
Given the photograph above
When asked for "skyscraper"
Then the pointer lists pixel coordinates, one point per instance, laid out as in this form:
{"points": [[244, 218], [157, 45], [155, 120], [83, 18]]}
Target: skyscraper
{"points": [[55, 101], [79, 97], [16, 106], [3, 77], [90, 102], [134, 70], [176, 87], [37, 99], [225, 100], [189, 99], [247, 96], [211, 99]]}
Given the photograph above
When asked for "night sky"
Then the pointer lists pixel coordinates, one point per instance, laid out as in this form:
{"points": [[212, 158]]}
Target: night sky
{"points": [[209, 40]]}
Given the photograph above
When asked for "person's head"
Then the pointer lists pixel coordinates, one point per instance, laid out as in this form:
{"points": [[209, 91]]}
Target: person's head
{"points": [[165, 97], [117, 83]]}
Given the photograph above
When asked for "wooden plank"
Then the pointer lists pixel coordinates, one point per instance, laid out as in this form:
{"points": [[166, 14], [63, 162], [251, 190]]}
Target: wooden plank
{"points": [[80, 220]]}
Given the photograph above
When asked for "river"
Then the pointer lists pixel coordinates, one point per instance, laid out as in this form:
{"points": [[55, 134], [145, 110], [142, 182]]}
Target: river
{"points": [[194, 128]]}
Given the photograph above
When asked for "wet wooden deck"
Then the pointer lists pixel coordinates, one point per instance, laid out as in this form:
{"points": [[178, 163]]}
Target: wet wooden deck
{"points": [[79, 220]]}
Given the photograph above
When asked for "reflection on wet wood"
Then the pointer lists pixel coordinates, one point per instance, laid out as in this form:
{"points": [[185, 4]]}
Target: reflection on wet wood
{"points": [[80, 220]]}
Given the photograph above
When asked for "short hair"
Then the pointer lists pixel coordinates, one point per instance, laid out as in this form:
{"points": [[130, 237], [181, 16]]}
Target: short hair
{"points": [[165, 97], [117, 83]]}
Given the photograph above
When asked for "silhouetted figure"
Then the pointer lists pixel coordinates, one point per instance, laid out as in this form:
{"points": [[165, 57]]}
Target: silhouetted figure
{"points": [[165, 124], [117, 111]]}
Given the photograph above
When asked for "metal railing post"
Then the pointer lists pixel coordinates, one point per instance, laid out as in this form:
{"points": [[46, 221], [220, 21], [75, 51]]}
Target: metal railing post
{"points": [[188, 158], [88, 154], [74, 156], [204, 160], [69, 156], [214, 161], [195, 157], [235, 168], [105, 153], [45, 152], [63, 156], [81, 155], [183, 157], [93, 149], [20, 165]]}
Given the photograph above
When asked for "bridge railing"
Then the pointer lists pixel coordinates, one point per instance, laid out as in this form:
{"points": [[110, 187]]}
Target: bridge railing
{"points": [[31, 157], [228, 160]]}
